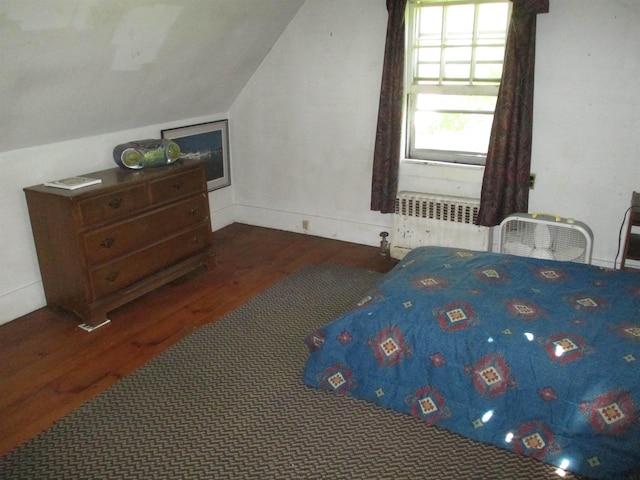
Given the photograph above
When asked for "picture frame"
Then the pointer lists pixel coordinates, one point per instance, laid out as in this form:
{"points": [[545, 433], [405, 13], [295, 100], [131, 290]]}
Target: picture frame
{"points": [[207, 141]]}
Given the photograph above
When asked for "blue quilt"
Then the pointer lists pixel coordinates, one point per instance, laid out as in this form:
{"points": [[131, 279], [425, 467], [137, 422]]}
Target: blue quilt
{"points": [[535, 356]]}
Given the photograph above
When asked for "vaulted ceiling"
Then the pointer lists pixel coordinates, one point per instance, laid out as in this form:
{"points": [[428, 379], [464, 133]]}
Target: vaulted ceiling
{"points": [[76, 68]]}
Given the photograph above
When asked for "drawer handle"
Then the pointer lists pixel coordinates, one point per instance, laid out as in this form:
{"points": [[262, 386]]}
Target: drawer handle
{"points": [[177, 184], [194, 211], [115, 203], [112, 276], [195, 240], [107, 242]]}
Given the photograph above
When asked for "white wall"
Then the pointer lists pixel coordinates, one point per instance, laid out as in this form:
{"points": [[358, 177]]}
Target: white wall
{"points": [[586, 149], [304, 125]]}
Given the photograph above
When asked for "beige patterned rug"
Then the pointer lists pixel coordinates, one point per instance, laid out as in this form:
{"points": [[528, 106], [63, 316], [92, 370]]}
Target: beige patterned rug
{"points": [[227, 402]]}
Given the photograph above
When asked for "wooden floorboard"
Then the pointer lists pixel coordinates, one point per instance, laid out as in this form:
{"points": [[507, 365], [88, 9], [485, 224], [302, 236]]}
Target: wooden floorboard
{"points": [[49, 367]]}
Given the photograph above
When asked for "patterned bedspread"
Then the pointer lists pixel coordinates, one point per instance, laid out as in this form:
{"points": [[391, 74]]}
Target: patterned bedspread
{"points": [[538, 357]]}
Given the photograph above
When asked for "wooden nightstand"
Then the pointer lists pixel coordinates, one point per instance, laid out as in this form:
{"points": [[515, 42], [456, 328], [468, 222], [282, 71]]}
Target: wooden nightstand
{"points": [[631, 250]]}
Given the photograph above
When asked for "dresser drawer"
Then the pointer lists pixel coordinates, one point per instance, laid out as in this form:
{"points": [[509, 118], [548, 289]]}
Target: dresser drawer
{"points": [[123, 272], [118, 239], [176, 186], [114, 205]]}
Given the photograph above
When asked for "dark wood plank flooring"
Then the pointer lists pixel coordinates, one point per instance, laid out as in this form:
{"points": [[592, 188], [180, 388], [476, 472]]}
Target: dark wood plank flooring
{"points": [[49, 366]]}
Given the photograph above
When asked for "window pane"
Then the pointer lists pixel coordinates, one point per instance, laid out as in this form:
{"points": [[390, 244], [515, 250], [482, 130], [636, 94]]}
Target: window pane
{"points": [[493, 19], [492, 71], [491, 54], [429, 24], [429, 71], [468, 103], [457, 54], [429, 54], [457, 62], [458, 132], [489, 62], [457, 71], [459, 24], [428, 65]]}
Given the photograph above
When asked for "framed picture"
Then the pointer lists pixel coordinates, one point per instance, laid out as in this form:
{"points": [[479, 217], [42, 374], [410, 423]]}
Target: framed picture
{"points": [[208, 142]]}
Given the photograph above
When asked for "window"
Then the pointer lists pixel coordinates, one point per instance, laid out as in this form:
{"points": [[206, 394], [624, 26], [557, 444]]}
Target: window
{"points": [[454, 66]]}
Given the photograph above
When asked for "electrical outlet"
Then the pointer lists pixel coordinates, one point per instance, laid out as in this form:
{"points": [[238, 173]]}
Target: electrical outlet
{"points": [[532, 181], [305, 225]]}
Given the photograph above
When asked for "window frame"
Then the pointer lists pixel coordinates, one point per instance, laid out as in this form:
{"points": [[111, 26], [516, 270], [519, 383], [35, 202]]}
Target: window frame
{"points": [[413, 88]]}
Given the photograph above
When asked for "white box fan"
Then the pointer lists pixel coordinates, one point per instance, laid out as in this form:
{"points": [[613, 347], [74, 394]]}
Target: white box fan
{"points": [[546, 236]]}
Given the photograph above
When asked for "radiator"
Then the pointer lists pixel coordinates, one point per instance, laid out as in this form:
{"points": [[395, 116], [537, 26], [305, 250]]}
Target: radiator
{"points": [[424, 219]]}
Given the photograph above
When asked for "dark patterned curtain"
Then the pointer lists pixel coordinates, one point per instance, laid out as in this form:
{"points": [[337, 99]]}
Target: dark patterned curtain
{"points": [[505, 186], [386, 157]]}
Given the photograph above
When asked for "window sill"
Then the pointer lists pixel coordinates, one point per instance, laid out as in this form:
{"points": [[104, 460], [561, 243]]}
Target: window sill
{"points": [[441, 178], [436, 163]]}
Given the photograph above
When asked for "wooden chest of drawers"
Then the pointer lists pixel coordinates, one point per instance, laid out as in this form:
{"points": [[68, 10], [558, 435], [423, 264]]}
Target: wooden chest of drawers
{"points": [[104, 245]]}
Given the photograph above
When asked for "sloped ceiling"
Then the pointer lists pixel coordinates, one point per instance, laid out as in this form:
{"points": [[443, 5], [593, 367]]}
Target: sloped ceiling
{"points": [[76, 68]]}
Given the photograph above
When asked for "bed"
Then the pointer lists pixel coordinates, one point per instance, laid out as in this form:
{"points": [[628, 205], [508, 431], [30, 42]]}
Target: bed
{"points": [[539, 357]]}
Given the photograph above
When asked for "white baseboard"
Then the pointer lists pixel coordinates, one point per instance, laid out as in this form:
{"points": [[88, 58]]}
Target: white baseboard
{"points": [[222, 217], [19, 302], [345, 230]]}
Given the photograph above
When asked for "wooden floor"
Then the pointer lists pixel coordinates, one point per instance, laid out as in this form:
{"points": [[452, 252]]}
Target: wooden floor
{"points": [[49, 366]]}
